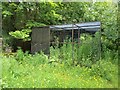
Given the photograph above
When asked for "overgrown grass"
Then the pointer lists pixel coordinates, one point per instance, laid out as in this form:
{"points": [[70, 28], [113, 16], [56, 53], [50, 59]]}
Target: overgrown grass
{"points": [[61, 69], [39, 71]]}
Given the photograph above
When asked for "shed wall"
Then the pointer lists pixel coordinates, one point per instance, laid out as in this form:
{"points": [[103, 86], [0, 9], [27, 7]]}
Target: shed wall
{"points": [[40, 40]]}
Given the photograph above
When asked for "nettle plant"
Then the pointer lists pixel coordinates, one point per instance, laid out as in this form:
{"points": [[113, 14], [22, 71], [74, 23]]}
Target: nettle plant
{"points": [[24, 34]]}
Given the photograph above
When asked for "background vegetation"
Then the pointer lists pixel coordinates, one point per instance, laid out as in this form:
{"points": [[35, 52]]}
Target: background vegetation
{"points": [[25, 15], [25, 70]]}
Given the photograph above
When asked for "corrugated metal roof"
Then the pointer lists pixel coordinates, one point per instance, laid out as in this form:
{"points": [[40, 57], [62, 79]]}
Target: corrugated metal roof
{"points": [[89, 26]]}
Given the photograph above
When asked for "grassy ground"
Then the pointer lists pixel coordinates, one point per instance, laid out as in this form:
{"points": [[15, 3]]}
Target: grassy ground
{"points": [[36, 71]]}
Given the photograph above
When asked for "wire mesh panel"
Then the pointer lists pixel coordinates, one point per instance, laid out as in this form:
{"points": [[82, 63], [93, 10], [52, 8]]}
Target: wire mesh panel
{"points": [[61, 45], [77, 42], [40, 40], [90, 47]]}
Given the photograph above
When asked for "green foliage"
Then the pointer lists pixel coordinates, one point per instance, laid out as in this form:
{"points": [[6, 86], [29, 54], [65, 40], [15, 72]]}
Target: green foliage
{"points": [[106, 13], [17, 16], [36, 59], [31, 24], [104, 69], [7, 42], [81, 66], [23, 34], [20, 55], [6, 13], [85, 53], [35, 71]]}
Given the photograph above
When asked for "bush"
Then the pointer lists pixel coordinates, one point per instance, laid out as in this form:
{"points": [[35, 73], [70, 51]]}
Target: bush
{"points": [[104, 69]]}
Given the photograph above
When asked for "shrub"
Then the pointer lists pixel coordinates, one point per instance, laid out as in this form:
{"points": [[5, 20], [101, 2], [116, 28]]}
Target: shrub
{"points": [[24, 34], [105, 69]]}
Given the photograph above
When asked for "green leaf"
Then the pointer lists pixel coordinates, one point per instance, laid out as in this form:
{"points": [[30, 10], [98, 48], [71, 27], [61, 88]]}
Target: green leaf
{"points": [[7, 13]]}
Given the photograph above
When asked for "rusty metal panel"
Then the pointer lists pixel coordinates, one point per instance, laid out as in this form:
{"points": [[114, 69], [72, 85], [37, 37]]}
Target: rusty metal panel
{"points": [[40, 40]]}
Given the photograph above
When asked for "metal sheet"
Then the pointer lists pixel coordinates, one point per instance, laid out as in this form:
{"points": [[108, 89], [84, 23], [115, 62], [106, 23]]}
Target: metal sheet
{"points": [[82, 26]]}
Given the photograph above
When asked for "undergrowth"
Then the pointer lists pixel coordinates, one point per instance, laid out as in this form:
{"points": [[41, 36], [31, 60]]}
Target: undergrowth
{"points": [[63, 69], [24, 70]]}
